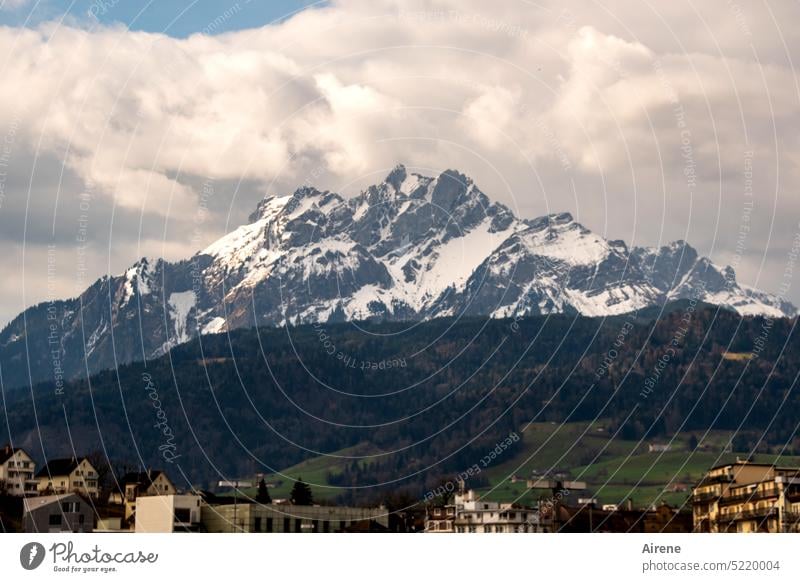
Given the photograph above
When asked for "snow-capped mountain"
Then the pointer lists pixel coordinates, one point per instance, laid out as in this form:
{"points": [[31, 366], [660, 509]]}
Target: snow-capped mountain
{"points": [[410, 248]]}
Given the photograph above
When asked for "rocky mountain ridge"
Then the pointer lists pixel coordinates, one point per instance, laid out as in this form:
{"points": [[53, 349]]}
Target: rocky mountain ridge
{"points": [[410, 248]]}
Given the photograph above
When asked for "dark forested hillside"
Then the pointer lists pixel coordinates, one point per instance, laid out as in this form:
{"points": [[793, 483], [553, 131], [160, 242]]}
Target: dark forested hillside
{"points": [[427, 398]]}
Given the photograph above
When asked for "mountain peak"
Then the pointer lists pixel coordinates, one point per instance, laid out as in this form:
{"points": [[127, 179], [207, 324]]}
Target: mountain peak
{"points": [[306, 192], [397, 176], [561, 218], [450, 187], [266, 207], [551, 221]]}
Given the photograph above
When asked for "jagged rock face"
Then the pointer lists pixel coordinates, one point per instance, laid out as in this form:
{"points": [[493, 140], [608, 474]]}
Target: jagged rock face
{"points": [[410, 248]]}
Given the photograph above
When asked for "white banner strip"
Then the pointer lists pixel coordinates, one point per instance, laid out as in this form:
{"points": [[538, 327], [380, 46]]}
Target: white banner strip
{"points": [[355, 557]]}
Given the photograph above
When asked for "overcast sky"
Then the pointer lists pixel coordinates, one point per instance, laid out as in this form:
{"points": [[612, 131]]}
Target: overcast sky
{"points": [[649, 121]]}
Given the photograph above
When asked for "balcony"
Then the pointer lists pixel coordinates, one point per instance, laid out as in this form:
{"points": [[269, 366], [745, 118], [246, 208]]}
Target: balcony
{"points": [[750, 496], [791, 517], [20, 474], [705, 497], [759, 513]]}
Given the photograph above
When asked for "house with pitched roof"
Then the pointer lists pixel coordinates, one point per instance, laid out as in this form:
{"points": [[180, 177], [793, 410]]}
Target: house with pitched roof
{"points": [[71, 475], [16, 472], [57, 514], [140, 484]]}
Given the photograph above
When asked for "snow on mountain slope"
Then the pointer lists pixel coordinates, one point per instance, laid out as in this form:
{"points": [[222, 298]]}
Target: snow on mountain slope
{"points": [[420, 247], [554, 265], [137, 280], [412, 247], [560, 238], [180, 306]]}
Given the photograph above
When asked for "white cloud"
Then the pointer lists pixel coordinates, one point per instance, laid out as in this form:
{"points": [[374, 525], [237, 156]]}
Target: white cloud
{"points": [[528, 100]]}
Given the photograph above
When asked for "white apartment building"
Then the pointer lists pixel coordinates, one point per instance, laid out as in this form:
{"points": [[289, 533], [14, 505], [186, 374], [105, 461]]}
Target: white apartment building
{"points": [[473, 515]]}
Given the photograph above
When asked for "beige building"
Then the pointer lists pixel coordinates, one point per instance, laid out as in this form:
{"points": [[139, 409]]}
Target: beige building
{"points": [[286, 518], [747, 497], [68, 476], [132, 486], [168, 513], [16, 472]]}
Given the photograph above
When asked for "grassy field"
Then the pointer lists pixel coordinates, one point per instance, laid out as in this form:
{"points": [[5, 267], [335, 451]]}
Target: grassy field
{"points": [[613, 469], [313, 471]]}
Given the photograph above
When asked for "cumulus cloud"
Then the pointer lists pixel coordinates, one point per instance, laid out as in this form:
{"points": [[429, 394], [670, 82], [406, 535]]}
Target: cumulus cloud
{"points": [[640, 122]]}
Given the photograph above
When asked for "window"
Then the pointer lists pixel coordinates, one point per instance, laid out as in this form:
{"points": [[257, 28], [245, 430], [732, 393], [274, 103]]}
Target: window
{"points": [[269, 525], [55, 519], [257, 525], [71, 507], [286, 525], [183, 514], [326, 526], [315, 526], [298, 525]]}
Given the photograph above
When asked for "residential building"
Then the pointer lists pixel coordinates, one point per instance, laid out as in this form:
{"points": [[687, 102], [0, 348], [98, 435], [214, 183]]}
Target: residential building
{"points": [[440, 519], [16, 472], [286, 518], [68, 476], [473, 515], [168, 513], [659, 448], [142, 484], [57, 513], [747, 497]]}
